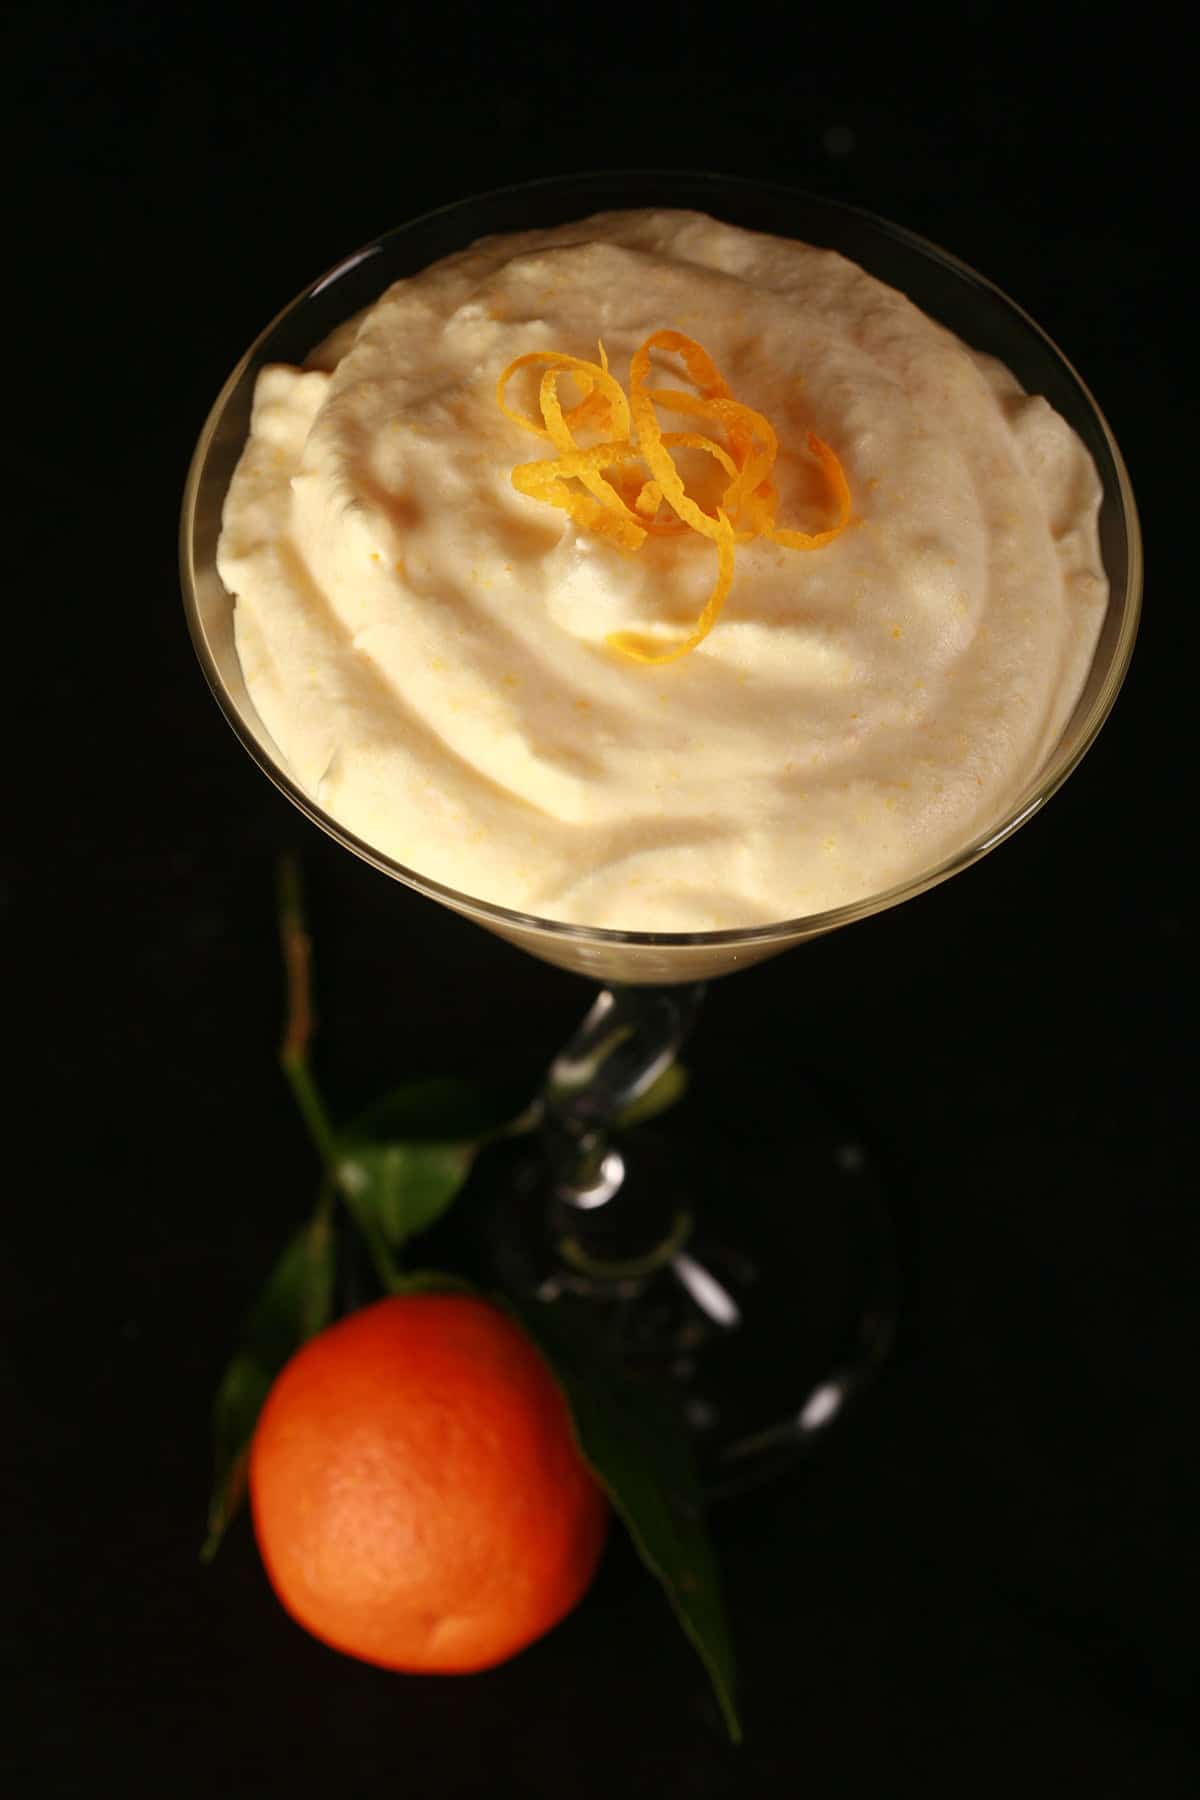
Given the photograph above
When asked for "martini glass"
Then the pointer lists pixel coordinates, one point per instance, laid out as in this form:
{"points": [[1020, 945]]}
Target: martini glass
{"points": [[771, 1316]]}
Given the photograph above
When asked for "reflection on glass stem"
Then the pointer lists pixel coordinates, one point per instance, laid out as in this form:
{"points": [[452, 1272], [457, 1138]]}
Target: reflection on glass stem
{"points": [[630, 1036]]}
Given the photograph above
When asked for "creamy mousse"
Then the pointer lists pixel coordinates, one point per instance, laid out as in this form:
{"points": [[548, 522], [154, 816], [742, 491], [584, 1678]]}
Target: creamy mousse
{"points": [[436, 653]]}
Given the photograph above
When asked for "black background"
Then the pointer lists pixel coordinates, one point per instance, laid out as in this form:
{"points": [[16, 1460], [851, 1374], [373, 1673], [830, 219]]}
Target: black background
{"points": [[987, 1580]]}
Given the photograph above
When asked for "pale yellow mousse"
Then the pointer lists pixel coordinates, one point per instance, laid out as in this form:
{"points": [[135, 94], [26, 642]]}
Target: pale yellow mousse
{"points": [[430, 648]]}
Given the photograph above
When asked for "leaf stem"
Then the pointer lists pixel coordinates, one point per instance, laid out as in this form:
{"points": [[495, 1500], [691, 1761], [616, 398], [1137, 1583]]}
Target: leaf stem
{"points": [[298, 1024]]}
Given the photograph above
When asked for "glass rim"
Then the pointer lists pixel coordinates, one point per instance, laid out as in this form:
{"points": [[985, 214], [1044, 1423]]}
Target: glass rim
{"points": [[1073, 745]]}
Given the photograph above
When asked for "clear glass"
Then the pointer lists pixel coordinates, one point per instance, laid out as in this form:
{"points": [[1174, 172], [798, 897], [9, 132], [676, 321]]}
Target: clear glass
{"points": [[941, 285], [733, 1309]]}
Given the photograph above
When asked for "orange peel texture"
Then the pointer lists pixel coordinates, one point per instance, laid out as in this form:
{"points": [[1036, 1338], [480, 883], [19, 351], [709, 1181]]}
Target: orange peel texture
{"points": [[653, 500]]}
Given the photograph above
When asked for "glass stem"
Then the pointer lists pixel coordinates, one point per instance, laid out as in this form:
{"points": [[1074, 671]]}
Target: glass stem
{"points": [[628, 1039]]}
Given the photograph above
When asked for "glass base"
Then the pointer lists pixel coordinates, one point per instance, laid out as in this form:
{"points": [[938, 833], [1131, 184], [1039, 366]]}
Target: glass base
{"points": [[755, 1274]]}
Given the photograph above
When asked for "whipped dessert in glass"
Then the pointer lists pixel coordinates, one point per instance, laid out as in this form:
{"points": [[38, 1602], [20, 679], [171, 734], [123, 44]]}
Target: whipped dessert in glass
{"points": [[442, 658]]}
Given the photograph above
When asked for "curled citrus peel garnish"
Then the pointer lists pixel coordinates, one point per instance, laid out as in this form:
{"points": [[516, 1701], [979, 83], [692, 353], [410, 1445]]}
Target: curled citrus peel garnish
{"points": [[627, 509]]}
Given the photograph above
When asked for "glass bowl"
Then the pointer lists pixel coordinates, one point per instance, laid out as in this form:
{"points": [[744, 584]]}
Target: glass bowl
{"points": [[937, 282]]}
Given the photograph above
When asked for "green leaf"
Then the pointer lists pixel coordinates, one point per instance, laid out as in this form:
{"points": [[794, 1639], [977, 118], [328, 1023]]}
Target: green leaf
{"points": [[404, 1188], [433, 1281], [401, 1163], [393, 1191], [670, 1086], [439, 1111], [634, 1438], [294, 1305]]}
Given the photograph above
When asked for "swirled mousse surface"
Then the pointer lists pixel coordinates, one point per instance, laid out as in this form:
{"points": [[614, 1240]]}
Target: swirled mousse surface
{"points": [[428, 647]]}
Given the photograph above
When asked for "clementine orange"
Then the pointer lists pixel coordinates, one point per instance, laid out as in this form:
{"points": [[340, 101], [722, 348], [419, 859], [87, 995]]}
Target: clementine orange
{"points": [[418, 1498]]}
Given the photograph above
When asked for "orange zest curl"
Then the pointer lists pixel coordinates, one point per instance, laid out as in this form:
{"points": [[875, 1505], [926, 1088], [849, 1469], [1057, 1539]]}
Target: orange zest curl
{"points": [[654, 501]]}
